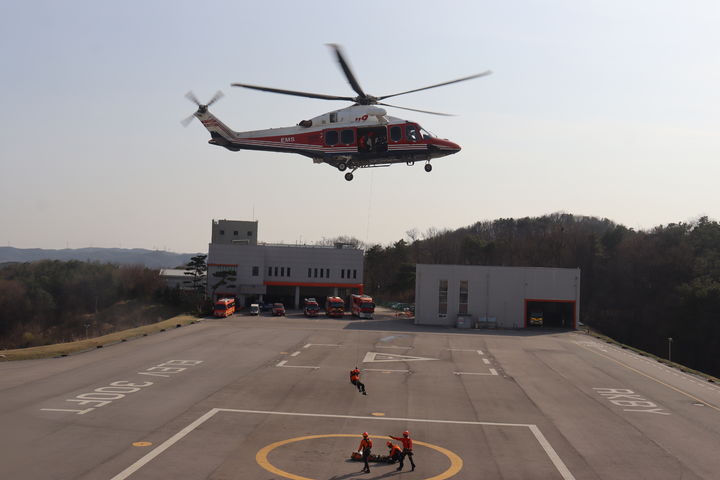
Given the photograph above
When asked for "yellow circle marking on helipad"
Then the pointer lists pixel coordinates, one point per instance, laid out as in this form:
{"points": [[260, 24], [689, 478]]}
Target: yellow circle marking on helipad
{"points": [[142, 444], [261, 457], [377, 414]]}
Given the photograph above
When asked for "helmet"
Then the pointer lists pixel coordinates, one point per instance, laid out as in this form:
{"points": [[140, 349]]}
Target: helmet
{"points": [[406, 433], [365, 434]]}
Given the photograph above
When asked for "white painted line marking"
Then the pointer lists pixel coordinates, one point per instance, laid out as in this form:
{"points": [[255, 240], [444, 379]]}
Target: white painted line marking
{"points": [[486, 361], [322, 345], [552, 454], [392, 346], [391, 357], [164, 446], [308, 345], [384, 370], [281, 363], [492, 372], [297, 366], [295, 354], [479, 352]]}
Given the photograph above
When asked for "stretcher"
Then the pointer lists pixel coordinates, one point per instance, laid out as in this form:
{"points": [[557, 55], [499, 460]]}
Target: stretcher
{"points": [[357, 456]]}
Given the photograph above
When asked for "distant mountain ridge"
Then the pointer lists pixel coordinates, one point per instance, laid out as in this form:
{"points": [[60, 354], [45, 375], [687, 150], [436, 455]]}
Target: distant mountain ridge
{"points": [[121, 256]]}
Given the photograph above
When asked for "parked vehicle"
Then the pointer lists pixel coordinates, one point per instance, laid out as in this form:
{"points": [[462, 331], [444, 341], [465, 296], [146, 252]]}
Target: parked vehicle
{"points": [[362, 306], [334, 307], [278, 309], [224, 307], [536, 318], [254, 309], [311, 308]]}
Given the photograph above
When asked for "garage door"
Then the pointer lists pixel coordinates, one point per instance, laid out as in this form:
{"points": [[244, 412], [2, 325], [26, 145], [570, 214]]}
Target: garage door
{"points": [[549, 313]]}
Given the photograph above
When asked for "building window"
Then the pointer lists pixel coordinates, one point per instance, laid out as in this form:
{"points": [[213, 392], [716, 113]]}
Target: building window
{"points": [[269, 271], [288, 271], [442, 299], [327, 273], [342, 273], [222, 232], [282, 271], [315, 272], [235, 233], [309, 272], [276, 272], [256, 271], [322, 271], [354, 273], [463, 305], [249, 233]]}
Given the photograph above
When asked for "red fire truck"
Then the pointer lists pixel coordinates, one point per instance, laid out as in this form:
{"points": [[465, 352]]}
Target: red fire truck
{"points": [[334, 307], [362, 306]]}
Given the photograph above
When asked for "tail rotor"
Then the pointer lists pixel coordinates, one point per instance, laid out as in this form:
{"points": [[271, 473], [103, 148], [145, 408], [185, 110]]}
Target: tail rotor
{"points": [[201, 108]]}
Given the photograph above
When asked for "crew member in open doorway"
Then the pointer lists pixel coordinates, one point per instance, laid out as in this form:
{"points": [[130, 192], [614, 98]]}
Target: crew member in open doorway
{"points": [[365, 449], [355, 380], [407, 449]]}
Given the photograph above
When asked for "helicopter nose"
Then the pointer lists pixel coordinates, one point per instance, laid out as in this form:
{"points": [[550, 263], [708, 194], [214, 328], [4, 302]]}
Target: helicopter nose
{"points": [[447, 146]]}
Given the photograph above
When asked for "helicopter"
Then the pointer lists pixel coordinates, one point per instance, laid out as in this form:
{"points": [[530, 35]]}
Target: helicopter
{"points": [[362, 135]]}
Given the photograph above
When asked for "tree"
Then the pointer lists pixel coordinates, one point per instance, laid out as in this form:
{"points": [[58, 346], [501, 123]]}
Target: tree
{"points": [[196, 269], [224, 277]]}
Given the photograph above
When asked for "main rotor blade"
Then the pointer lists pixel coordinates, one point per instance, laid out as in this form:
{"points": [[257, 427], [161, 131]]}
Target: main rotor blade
{"points": [[416, 110], [292, 92], [438, 85], [346, 69]]}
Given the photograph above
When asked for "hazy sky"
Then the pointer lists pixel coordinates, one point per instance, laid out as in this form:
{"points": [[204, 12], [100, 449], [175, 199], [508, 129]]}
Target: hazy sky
{"points": [[605, 108]]}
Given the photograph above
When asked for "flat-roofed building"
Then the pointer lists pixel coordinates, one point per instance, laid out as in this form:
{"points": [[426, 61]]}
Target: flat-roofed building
{"points": [[507, 297], [279, 272]]}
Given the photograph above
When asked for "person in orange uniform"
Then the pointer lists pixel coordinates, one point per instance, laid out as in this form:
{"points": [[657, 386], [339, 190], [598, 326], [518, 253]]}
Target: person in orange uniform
{"points": [[394, 453], [407, 449], [365, 449], [355, 380]]}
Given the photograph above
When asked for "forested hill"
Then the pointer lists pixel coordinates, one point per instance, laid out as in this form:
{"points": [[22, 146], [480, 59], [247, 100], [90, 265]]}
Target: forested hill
{"points": [[639, 287], [119, 256]]}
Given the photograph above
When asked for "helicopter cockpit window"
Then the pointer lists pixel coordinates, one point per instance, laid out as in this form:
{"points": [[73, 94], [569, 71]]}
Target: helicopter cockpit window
{"points": [[305, 123], [331, 137], [395, 133], [347, 137], [411, 133], [425, 134], [333, 117]]}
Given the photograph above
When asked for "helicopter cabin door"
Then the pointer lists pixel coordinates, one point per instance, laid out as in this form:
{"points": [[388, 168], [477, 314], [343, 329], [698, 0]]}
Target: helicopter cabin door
{"points": [[372, 139]]}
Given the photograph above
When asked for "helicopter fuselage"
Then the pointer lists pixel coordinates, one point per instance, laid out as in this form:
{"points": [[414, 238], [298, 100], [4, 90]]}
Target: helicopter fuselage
{"points": [[359, 136]]}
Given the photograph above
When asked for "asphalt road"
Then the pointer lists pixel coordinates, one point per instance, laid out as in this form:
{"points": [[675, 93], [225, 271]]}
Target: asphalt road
{"points": [[270, 398]]}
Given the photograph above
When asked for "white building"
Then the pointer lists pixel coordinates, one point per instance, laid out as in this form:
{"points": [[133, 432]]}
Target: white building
{"points": [[472, 295], [278, 272], [176, 278]]}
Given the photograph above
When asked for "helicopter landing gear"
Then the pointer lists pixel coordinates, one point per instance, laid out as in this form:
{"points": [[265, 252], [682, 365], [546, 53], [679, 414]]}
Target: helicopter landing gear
{"points": [[428, 167], [342, 166], [348, 176]]}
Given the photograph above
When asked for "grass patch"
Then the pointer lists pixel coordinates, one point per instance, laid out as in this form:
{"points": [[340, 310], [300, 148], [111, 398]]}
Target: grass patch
{"points": [[62, 349]]}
